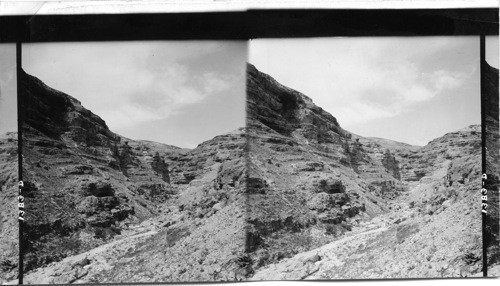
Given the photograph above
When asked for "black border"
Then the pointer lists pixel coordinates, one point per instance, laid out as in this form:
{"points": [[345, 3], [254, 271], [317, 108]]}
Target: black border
{"points": [[248, 25]]}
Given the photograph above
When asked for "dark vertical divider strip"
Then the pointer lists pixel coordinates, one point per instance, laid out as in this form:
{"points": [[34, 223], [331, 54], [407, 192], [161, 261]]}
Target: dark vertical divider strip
{"points": [[483, 161], [490, 158], [20, 158], [483, 152]]}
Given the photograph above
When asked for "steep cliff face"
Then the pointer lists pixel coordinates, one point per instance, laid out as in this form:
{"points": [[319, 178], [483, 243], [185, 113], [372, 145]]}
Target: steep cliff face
{"points": [[163, 209], [282, 110], [308, 178], [310, 182], [60, 116], [83, 182]]}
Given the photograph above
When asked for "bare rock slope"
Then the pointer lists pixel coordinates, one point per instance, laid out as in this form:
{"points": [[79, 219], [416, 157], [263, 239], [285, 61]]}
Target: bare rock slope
{"points": [[89, 189], [9, 232], [324, 203]]}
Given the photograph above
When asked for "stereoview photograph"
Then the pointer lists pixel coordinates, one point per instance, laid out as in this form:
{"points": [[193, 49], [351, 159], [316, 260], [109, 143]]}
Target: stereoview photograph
{"points": [[133, 161], [319, 158], [365, 157]]}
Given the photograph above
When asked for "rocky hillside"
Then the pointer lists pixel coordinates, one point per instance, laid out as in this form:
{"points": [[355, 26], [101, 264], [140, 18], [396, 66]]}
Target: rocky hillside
{"points": [[84, 183], [89, 187], [311, 183], [9, 232]]}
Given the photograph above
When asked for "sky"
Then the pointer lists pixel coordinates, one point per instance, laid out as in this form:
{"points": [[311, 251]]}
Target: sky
{"points": [[8, 88], [408, 89], [180, 93], [411, 89]]}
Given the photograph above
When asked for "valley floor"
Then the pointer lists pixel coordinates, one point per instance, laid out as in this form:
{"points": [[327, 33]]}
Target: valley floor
{"points": [[372, 250], [338, 258], [390, 245], [82, 268]]}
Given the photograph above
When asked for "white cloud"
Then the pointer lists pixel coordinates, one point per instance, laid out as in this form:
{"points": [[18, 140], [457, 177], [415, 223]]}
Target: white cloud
{"points": [[358, 79], [154, 96], [381, 93], [128, 115], [128, 84], [213, 83], [444, 80]]}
